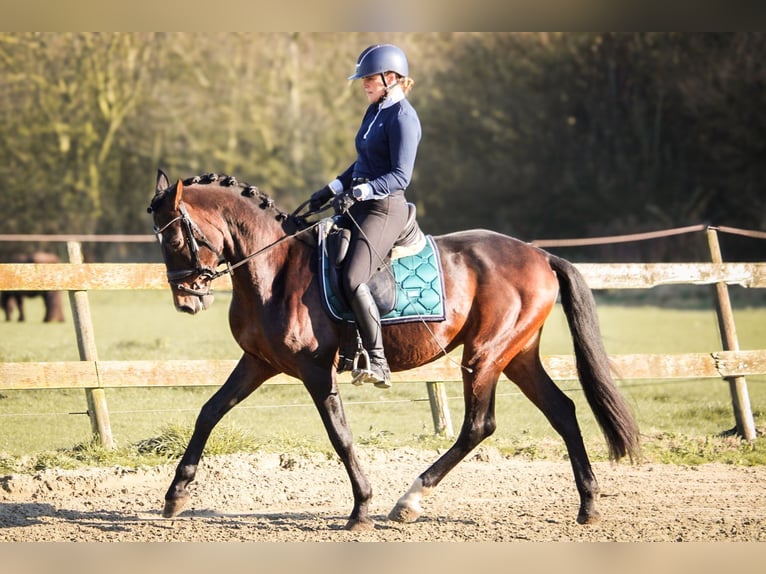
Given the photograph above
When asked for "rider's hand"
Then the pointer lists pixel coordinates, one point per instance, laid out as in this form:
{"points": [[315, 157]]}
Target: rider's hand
{"points": [[343, 201], [319, 198]]}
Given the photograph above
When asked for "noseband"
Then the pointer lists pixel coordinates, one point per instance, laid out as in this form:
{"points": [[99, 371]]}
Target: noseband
{"points": [[194, 237]]}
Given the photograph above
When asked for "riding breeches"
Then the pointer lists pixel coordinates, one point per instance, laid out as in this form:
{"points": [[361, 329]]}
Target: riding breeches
{"points": [[375, 226]]}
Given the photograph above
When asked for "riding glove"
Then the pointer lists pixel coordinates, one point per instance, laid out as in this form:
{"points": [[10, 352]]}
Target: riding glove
{"points": [[343, 201], [319, 198]]}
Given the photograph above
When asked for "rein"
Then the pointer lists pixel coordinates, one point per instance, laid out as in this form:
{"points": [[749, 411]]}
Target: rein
{"points": [[230, 267]]}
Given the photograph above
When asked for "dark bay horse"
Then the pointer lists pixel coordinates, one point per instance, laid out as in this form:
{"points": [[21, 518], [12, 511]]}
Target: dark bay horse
{"points": [[53, 300], [499, 292]]}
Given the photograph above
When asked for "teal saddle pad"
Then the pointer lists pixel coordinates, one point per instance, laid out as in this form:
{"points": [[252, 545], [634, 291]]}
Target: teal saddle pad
{"points": [[419, 286]]}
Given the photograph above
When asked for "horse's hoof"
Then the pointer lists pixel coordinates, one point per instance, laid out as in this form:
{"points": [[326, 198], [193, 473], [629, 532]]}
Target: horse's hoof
{"points": [[592, 517], [357, 525], [404, 513], [174, 506]]}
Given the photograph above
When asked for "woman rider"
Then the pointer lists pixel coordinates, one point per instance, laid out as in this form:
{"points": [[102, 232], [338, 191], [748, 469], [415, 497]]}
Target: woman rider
{"points": [[371, 191]]}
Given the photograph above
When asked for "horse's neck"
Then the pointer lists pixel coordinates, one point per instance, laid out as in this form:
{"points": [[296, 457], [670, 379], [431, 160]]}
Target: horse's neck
{"points": [[254, 234]]}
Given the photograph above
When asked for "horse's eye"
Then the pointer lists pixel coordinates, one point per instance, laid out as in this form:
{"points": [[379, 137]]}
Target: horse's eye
{"points": [[175, 242]]}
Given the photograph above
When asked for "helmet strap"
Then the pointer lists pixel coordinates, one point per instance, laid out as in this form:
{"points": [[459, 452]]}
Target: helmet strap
{"points": [[388, 86]]}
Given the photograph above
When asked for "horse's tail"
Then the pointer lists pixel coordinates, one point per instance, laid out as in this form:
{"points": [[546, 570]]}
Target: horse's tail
{"points": [[610, 408]]}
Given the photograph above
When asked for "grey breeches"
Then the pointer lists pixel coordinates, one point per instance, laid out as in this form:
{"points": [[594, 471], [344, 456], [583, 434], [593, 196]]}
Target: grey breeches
{"points": [[381, 221]]}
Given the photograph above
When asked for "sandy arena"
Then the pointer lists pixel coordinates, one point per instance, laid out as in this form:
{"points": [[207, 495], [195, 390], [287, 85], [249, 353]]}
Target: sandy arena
{"points": [[279, 498]]}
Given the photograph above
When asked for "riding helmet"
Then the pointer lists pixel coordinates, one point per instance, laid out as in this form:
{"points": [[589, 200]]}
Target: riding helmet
{"points": [[378, 59]]}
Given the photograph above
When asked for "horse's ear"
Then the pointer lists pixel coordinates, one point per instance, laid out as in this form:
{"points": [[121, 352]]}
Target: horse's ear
{"points": [[177, 194], [162, 182]]}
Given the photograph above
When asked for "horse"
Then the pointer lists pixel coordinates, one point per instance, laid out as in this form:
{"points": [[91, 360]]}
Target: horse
{"points": [[499, 292], [53, 300]]}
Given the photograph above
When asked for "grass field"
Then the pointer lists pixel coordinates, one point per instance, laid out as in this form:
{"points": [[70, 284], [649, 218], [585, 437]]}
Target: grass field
{"points": [[680, 419]]}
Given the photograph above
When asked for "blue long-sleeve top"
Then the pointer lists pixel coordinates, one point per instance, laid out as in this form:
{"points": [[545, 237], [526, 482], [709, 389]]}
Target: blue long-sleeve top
{"points": [[386, 145]]}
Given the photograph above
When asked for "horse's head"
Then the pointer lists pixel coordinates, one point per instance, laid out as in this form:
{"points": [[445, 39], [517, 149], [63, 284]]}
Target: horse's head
{"points": [[190, 257]]}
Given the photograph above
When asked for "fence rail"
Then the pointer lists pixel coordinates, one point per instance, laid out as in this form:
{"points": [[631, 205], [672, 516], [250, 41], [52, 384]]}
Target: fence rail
{"points": [[177, 373], [93, 375], [118, 276]]}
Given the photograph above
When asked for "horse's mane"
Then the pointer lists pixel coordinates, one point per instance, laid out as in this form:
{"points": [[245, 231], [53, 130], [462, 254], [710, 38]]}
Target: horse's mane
{"points": [[246, 190]]}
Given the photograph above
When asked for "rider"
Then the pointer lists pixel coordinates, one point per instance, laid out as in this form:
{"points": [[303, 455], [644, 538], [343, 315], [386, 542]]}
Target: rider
{"points": [[371, 191]]}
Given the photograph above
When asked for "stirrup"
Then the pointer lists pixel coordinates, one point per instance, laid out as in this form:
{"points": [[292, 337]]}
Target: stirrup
{"points": [[358, 374], [361, 375]]}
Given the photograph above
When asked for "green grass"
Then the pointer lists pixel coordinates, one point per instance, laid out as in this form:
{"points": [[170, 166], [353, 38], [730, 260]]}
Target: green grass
{"points": [[680, 420]]}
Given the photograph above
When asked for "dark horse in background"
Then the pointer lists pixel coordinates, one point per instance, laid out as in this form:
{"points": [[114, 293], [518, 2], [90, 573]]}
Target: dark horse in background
{"points": [[499, 292], [53, 300]]}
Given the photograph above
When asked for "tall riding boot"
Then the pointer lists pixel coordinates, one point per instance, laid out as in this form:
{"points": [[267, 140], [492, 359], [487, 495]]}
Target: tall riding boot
{"points": [[368, 322]]}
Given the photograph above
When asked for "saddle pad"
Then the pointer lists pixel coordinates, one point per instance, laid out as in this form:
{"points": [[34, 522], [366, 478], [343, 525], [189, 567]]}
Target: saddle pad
{"points": [[419, 288]]}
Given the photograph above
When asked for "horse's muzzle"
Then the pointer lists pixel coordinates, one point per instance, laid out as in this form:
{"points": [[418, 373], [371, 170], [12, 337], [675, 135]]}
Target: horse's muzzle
{"points": [[192, 300], [193, 305]]}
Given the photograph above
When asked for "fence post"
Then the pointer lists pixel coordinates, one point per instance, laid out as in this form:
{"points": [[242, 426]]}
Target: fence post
{"points": [[437, 397], [740, 398], [86, 344]]}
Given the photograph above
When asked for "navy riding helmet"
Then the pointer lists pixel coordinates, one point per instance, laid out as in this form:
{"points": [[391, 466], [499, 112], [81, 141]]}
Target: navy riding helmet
{"points": [[379, 59]]}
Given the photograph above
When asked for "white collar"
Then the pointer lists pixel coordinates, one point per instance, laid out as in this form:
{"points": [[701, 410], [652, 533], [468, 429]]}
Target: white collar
{"points": [[395, 95]]}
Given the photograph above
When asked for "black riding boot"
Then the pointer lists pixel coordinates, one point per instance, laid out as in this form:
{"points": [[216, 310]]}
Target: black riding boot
{"points": [[368, 322]]}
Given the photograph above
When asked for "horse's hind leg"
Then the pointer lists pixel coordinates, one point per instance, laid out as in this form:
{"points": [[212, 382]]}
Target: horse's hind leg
{"points": [[247, 376], [20, 306], [478, 424], [528, 373]]}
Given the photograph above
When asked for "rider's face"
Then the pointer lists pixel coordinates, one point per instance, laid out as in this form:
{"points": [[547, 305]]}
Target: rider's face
{"points": [[374, 87]]}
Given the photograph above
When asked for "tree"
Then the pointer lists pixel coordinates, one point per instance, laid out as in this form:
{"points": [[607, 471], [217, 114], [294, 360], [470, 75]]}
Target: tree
{"points": [[536, 135], [562, 135], [69, 97]]}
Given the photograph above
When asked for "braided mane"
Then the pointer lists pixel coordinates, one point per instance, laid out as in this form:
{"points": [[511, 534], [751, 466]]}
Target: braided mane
{"points": [[247, 190]]}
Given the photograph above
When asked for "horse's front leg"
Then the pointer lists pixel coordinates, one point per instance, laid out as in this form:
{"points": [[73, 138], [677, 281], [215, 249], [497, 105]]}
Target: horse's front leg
{"points": [[324, 390], [247, 376]]}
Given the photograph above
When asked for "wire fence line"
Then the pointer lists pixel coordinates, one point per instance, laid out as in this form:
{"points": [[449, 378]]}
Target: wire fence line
{"points": [[604, 240]]}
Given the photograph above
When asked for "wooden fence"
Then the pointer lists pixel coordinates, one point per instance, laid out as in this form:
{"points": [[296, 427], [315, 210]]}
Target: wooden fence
{"points": [[93, 375]]}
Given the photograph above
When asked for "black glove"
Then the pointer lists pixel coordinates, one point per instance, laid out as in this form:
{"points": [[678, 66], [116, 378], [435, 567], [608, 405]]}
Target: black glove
{"points": [[343, 201], [319, 198]]}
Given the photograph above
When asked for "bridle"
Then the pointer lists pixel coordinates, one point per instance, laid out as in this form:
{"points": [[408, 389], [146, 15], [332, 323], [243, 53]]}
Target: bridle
{"points": [[194, 236]]}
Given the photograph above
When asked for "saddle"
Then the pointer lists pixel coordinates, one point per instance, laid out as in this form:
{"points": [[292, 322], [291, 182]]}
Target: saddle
{"points": [[382, 284], [408, 286]]}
